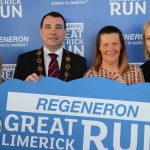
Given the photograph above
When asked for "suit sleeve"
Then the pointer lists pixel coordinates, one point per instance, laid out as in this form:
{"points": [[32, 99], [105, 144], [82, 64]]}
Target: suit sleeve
{"points": [[19, 70], [83, 68]]}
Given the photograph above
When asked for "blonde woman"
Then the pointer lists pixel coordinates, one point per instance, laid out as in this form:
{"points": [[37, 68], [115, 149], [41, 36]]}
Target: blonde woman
{"points": [[146, 42]]}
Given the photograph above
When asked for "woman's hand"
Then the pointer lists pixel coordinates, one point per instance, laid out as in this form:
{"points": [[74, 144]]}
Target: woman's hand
{"points": [[117, 77]]}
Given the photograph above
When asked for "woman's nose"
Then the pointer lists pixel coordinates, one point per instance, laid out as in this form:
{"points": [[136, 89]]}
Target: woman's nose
{"points": [[110, 47]]}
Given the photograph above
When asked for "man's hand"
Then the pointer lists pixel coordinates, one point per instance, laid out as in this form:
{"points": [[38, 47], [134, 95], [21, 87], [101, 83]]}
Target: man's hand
{"points": [[34, 77]]}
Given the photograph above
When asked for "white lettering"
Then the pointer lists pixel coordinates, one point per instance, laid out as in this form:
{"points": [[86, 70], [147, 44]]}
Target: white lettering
{"points": [[146, 137], [133, 7], [41, 124], [117, 136], [57, 121], [96, 139], [29, 125], [7, 122]]}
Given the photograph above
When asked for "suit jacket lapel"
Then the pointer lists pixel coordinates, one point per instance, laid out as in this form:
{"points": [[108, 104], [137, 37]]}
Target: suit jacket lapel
{"points": [[63, 63]]}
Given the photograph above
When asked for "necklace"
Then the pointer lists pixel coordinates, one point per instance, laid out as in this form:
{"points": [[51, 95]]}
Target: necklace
{"points": [[40, 68]]}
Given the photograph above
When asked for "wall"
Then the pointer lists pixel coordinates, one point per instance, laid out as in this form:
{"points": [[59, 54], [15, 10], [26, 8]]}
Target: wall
{"points": [[20, 23]]}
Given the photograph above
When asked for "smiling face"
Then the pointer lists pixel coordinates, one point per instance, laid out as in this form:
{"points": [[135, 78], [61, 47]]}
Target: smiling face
{"points": [[147, 38], [53, 32], [110, 47]]}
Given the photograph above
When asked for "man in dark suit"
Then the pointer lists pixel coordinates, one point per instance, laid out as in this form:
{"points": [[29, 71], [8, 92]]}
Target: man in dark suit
{"points": [[1, 79], [35, 64]]}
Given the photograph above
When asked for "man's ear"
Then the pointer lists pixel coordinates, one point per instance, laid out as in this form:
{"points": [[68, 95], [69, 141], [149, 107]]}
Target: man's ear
{"points": [[40, 30]]}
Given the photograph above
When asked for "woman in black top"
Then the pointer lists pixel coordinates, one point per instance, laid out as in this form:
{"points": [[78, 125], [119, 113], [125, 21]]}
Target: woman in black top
{"points": [[146, 42]]}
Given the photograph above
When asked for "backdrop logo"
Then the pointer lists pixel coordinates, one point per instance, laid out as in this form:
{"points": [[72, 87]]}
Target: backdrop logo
{"points": [[8, 71], [10, 8], [74, 40], [14, 41], [133, 39], [1, 126], [127, 7], [137, 64], [68, 2]]}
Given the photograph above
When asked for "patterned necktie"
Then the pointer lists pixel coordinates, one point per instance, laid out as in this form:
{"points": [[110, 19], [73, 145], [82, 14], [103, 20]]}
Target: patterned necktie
{"points": [[53, 69]]}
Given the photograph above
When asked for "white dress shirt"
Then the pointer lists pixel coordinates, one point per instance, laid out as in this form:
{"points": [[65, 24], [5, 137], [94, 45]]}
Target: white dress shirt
{"points": [[47, 58]]}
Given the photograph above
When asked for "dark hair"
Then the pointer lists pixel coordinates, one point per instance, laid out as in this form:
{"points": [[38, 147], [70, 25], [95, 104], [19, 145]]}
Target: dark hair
{"points": [[53, 14], [123, 67]]}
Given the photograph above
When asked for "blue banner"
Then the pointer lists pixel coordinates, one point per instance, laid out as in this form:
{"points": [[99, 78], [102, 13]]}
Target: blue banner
{"points": [[84, 114]]}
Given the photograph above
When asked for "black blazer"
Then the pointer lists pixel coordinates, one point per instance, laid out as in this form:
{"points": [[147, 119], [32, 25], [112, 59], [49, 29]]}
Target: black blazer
{"points": [[27, 64], [146, 71]]}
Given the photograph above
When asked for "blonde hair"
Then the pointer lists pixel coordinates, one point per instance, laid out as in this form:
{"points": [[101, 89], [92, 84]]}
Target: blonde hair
{"points": [[123, 66], [146, 53]]}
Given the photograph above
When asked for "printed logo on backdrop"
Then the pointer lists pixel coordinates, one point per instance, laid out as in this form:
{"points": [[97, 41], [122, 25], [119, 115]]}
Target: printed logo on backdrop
{"points": [[67, 2], [133, 39], [137, 64], [10, 8], [8, 71], [127, 7], [74, 41], [14, 41]]}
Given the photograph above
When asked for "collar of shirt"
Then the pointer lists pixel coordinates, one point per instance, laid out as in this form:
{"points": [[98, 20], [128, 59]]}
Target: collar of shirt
{"points": [[47, 58]]}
